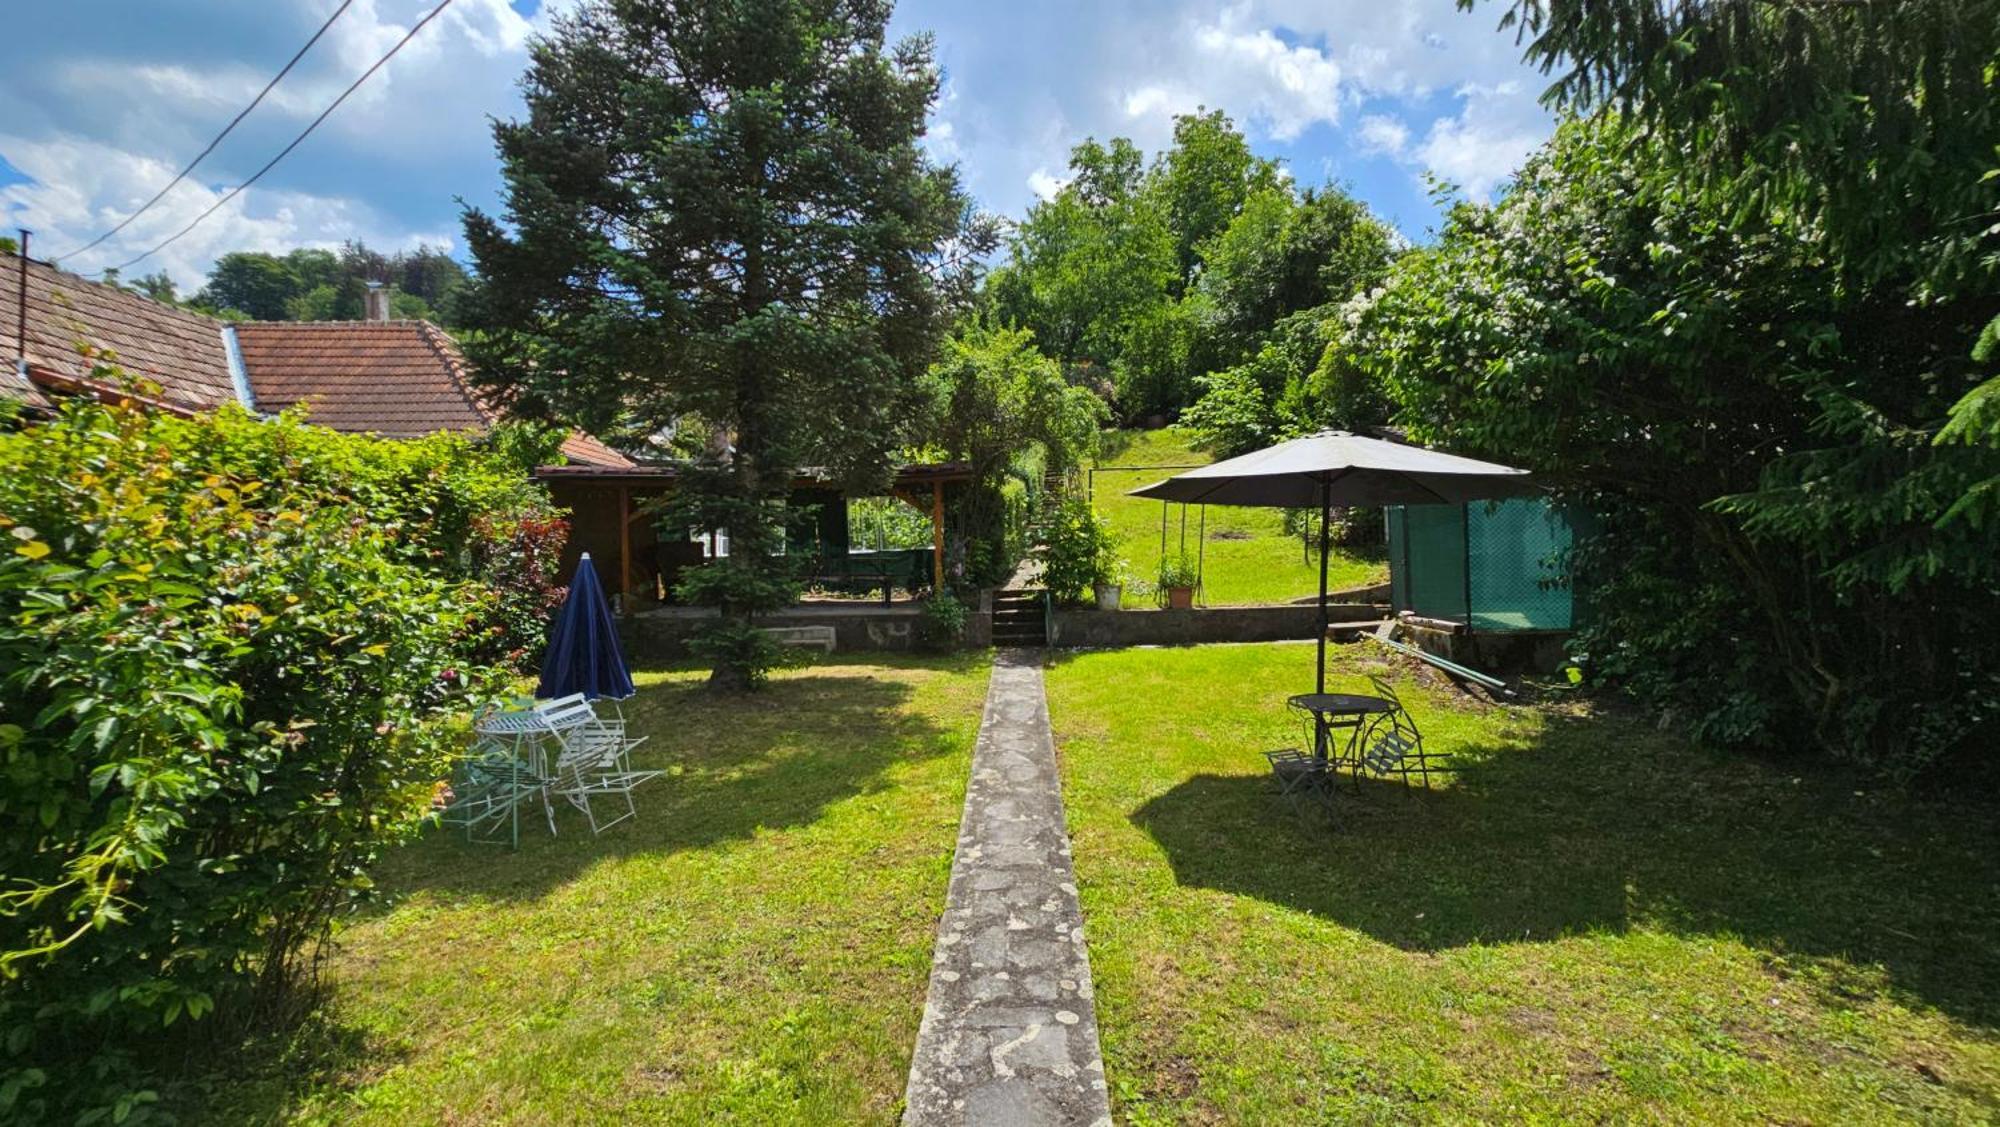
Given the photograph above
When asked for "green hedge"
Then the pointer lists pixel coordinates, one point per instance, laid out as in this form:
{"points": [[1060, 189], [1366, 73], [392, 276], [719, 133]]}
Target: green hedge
{"points": [[233, 654]]}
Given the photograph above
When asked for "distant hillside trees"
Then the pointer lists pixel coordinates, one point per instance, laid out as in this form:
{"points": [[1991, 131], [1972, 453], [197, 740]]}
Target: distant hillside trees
{"points": [[315, 284], [1158, 285]]}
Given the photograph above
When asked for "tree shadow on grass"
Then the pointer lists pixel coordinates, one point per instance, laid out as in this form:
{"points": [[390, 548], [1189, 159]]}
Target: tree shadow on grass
{"points": [[741, 764], [1598, 826], [266, 1071], [735, 764], [1113, 444]]}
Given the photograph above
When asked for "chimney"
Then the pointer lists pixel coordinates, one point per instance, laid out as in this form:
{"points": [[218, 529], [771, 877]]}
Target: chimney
{"points": [[376, 304]]}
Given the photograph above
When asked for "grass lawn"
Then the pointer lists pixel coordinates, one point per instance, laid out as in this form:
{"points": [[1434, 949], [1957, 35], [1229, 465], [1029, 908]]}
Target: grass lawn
{"points": [[756, 947], [1249, 558], [1594, 922]]}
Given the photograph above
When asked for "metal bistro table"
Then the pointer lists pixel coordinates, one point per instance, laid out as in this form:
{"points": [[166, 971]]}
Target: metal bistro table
{"points": [[522, 737], [1348, 712]]}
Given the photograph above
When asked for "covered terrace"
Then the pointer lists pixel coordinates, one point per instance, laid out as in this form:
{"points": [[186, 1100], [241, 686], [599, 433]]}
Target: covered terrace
{"points": [[613, 517]]}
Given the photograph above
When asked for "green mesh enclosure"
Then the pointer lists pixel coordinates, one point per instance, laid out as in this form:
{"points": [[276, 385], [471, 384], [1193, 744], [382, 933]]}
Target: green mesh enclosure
{"points": [[1427, 560], [1494, 565]]}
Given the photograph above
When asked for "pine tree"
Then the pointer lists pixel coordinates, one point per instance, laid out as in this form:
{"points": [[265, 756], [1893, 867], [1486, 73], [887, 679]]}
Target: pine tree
{"points": [[718, 212]]}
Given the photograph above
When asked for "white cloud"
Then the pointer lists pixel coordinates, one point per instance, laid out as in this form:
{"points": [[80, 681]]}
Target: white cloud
{"points": [[1380, 133], [1278, 88], [1152, 101], [1305, 79], [76, 186], [1045, 185], [941, 140], [1285, 88], [106, 121], [1481, 147]]}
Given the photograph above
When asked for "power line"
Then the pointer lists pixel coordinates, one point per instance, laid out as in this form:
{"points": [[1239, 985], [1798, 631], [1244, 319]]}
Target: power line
{"points": [[286, 151], [233, 123]]}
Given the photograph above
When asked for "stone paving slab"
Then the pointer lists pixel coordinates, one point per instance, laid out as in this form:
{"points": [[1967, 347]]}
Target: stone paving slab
{"points": [[1009, 1035]]}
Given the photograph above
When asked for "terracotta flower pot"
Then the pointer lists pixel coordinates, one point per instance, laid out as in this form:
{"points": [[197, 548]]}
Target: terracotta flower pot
{"points": [[1180, 598]]}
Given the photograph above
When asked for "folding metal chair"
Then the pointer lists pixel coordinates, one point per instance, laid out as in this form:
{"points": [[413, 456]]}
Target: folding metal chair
{"points": [[1392, 744], [1302, 780], [493, 783], [593, 761]]}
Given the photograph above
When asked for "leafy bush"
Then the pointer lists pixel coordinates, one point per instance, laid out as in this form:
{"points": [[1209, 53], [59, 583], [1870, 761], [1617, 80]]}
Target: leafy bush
{"points": [[997, 404], [1299, 382], [1077, 548], [1233, 415], [1778, 563], [445, 503], [943, 624], [230, 653]]}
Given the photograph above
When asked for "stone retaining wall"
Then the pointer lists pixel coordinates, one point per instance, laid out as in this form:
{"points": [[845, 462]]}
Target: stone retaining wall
{"points": [[1110, 628], [661, 635]]}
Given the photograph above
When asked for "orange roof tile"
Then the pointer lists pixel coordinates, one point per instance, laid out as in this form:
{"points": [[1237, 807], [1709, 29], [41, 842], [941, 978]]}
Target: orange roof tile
{"points": [[379, 377], [398, 379], [179, 350], [583, 450]]}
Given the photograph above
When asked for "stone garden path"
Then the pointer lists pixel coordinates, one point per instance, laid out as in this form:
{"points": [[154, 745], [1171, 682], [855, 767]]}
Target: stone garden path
{"points": [[1009, 1033]]}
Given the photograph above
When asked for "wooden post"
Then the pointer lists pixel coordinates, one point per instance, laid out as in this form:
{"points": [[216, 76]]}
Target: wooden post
{"points": [[624, 548], [937, 537]]}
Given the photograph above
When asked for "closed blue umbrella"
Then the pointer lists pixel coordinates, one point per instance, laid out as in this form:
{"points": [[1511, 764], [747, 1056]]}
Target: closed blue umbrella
{"points": [[583, 652]]}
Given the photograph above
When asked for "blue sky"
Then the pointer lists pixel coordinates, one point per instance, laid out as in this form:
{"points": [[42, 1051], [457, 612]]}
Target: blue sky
{"points": [[101, 102]]}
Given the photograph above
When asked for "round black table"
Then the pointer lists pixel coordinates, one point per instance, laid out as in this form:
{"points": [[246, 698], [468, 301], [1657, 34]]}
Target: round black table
{"points": [[1350, 711]]}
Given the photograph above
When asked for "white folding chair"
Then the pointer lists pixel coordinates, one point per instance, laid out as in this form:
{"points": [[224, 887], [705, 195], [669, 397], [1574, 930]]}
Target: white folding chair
{"points": [[562, 710], [592, 760]]}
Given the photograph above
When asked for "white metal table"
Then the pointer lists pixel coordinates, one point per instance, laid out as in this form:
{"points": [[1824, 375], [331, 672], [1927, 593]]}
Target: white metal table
{"points": [[519, 755]]}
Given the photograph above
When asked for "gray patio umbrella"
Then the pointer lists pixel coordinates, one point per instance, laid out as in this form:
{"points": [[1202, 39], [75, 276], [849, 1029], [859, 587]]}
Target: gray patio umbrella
{"points": [[1336, 468]]}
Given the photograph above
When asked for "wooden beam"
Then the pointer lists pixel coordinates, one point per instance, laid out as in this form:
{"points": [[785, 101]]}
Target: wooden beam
{"points": [[937, 537], [624, 548]]}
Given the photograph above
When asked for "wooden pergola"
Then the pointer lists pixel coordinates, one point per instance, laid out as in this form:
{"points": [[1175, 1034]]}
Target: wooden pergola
{"points": [[919, 484]]}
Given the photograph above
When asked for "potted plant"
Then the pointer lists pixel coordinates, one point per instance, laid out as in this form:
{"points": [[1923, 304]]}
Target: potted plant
{"points": [[1178, 577], [1110, 585]]}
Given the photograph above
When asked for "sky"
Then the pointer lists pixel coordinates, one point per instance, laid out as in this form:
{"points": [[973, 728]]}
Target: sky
{"points": [[101, 102]]}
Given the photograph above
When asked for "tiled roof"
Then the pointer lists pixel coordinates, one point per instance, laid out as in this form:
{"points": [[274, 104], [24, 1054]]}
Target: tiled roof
{"points": [[583, 450], [15, 387], [179, 350], [398, 379], [380, 377]]}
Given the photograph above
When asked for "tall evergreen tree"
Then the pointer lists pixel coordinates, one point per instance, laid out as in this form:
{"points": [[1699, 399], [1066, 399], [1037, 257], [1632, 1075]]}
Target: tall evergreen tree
{"points": [[719, 211]]}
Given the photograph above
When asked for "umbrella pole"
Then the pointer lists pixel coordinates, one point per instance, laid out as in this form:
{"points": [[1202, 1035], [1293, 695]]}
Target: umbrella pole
{"points": [[1325, 487]]}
